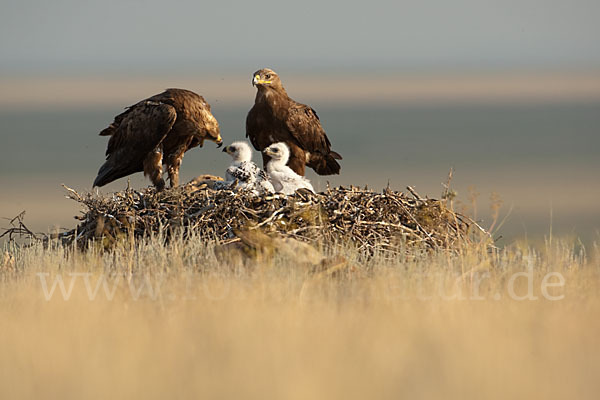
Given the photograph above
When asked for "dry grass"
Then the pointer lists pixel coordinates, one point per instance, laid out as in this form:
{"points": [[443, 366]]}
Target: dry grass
{"points": [[410, 327]]}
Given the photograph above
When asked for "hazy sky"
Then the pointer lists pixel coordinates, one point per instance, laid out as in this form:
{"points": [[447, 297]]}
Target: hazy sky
{"points": [[158, 36]]}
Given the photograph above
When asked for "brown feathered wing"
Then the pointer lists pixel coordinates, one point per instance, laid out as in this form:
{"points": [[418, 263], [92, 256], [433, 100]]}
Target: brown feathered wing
{"points": [[305, 127], [134, 134]]}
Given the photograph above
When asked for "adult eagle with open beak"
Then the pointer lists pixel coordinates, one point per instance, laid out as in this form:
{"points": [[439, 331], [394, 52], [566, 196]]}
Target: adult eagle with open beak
{"points": [[275, 117], [157, 131]]}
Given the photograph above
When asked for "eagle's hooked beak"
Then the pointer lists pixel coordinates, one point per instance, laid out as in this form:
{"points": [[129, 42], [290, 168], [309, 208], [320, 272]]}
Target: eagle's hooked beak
{"points": [[219, 141], [257, 81]]}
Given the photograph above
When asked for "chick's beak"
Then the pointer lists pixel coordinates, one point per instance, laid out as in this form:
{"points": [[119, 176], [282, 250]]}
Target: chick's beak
{"points": [[225, 149]]}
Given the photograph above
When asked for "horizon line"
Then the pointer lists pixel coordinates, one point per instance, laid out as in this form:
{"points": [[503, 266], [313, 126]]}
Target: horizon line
{"points": [[94, 91]]}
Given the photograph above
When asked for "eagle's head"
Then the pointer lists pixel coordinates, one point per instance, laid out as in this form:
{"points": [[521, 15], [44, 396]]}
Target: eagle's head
{"points": [[211, 130], [239, 151], [266, 78], [278, 151]]}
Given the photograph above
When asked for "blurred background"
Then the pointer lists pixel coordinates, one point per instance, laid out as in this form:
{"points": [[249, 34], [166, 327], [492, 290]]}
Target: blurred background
{"points": [[505, 92]]}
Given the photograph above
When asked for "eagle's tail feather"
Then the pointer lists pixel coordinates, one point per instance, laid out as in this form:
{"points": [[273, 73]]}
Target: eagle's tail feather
{"points": [[327, 164], [335, 155]]}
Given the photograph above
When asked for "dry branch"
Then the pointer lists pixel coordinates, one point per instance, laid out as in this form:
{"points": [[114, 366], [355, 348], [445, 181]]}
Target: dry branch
{"points": [[372, 220]]}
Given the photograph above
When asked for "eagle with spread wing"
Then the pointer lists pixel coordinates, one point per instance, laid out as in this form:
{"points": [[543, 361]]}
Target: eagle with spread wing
{"points": [[275, 117], [157, 131]]}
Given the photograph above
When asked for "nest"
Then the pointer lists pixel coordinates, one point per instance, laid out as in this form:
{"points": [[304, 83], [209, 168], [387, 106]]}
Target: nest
{"points": [[371, 220]]}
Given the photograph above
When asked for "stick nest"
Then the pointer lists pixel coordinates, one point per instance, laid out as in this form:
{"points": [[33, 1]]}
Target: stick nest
{"points": [[371, 220]]}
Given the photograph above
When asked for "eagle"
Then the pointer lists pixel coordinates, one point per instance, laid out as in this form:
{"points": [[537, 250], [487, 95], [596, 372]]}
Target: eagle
{"points": [[243, 171], [283, 178], [157, 131], [275, 117]]}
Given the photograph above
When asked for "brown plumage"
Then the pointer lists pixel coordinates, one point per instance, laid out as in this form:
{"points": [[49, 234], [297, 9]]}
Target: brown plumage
{"points": [[157, 131], [275, 117]]}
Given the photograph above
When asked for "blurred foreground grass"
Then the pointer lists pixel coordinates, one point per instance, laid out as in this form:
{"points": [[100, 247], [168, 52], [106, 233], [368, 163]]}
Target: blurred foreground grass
{"points": [[174, 321]]}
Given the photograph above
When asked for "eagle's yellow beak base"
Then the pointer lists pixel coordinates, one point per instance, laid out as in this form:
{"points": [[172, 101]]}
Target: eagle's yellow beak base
{"points": [[257, 81]]}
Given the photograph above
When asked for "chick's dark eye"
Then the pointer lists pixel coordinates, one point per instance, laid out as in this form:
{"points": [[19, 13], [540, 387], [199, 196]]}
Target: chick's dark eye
{"points": [[275, 150]]}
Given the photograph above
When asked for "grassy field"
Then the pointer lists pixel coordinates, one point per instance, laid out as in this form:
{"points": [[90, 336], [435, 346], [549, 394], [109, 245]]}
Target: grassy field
{"points": [[178, 321]]}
